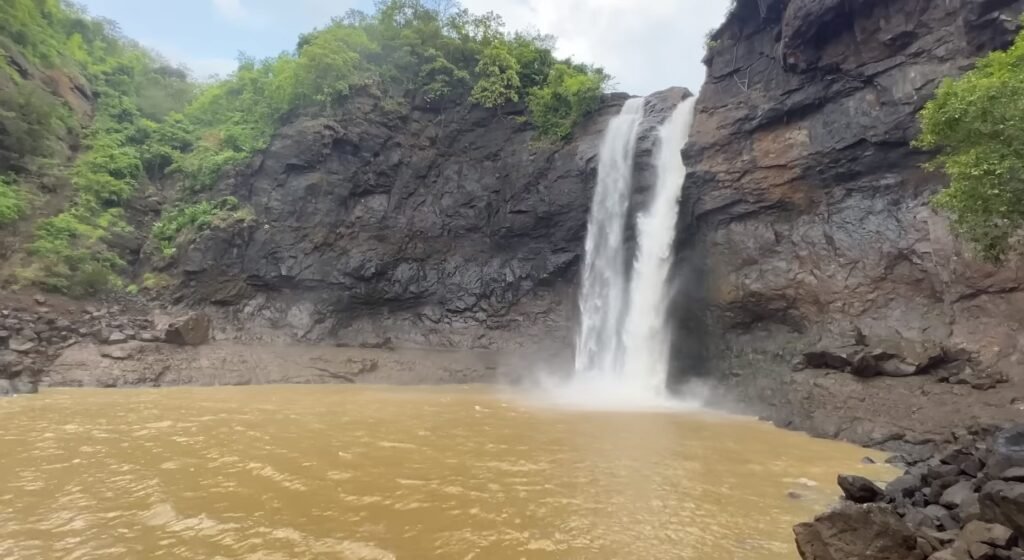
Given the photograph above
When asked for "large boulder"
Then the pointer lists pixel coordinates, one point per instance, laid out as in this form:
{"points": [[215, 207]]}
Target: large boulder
{"points": [[856, 532], [860, 490], [10, 365], [1003, 503], [20, 386], [192, 330], [1007, 451]]}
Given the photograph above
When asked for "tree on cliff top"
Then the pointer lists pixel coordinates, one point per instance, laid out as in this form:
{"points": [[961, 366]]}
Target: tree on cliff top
{"points": [[977, 124]]}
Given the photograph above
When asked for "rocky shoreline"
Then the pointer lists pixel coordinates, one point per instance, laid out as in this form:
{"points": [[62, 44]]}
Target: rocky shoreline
{"points": [[966, 503], [54, 342]]}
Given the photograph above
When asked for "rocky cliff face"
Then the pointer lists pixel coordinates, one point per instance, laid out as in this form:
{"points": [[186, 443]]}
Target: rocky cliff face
{"points": [[809, 215], [448, 228]]}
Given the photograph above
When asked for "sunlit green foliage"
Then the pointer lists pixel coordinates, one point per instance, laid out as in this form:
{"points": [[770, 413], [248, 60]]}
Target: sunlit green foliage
{"points": [[151, 121], [12, 202], [194, 218], [134, 89], [571, 92], [404, 49], [31, 121], [69, 252], [499, 77], [977, 124]]}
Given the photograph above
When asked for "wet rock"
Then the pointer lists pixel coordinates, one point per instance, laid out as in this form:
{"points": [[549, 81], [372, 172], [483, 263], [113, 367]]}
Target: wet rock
{"points": [[115, 337], [925, 547], [1013, 474], [987, 533], [939, 539], [972, 467], [192, 330], [941, 517], [956, 494], [25, 386], [10, 365], [864, 361], [939, 472], [904, 486], [970, 509], [382, 343], [860, 490], [123, 351], [980, 551], [40, 300], [1002, 503], [12, 387], [23, 343], [149, 336], [1007, 451], [856, 532], [917, 519]]}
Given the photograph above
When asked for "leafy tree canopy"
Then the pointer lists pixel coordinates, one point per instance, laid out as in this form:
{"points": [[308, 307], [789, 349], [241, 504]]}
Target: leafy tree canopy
{"points": [[976, 123], [152, 121]]}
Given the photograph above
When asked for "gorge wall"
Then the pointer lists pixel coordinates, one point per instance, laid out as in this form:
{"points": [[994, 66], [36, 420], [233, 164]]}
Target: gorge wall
{"points": [[431, 227], [809, 223]]}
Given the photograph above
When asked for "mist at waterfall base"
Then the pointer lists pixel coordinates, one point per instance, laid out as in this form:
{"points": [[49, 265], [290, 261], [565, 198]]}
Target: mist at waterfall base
{"points": [[624, 340]]}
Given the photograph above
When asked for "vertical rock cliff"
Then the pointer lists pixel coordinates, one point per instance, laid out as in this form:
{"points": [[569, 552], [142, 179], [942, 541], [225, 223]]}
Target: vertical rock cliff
{"points": [[809, 216], [443, 228]]}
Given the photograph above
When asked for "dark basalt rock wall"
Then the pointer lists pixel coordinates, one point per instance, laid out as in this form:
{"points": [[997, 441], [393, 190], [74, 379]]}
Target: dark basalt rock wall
{"points": [[455, 228], [807, 210]]}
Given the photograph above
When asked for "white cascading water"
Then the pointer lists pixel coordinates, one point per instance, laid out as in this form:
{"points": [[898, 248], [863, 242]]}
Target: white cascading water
{"points": [[604, 290], [646, 331], [622, 353]]}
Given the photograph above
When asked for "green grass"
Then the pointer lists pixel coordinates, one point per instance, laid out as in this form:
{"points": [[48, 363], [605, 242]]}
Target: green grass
{"points": [[12, 202]]}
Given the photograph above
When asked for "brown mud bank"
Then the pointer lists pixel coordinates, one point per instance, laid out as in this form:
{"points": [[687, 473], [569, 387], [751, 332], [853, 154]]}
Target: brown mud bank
{"points": [[53, 342], [138, 364]]}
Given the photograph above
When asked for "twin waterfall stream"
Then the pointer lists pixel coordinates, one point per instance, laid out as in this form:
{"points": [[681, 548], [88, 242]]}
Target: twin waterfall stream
{"points": [[622, 352]]}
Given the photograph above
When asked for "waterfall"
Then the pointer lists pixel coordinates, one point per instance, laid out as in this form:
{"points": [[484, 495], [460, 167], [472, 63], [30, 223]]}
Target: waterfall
{"points": [[646, 330], [603, 294], [624, 342]]}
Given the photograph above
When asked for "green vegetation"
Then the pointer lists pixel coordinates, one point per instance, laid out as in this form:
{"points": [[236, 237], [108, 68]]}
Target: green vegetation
{"points": [[135, 90], [69, 254], [151, 123], [12, 202], [155, 281], [571, 93], [194, 218], [404, 50], [977, 124], [31, 121]]}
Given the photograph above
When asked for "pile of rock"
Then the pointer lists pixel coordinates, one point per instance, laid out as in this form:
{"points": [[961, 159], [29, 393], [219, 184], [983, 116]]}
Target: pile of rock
{"points": [[901, 359], [31, 339], [966, 504]]}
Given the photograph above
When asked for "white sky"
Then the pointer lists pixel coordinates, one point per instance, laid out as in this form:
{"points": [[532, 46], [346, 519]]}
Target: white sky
{"points": [[647, 45]]}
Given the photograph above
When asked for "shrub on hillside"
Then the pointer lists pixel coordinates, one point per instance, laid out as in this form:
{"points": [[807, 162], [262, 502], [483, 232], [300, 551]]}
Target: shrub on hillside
{"points": [[976, 123]]}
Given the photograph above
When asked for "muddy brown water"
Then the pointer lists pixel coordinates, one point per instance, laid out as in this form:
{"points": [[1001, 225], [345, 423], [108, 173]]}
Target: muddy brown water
{"points": [[373, 473]]}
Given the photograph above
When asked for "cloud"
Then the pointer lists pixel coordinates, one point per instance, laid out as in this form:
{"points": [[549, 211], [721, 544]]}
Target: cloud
{"points": [[231, 10], [202, 67], [646, 46]]}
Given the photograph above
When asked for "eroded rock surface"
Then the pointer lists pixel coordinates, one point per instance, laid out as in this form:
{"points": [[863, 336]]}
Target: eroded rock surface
{"points": [[807, 214], [456, 228], [945, 507]]}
